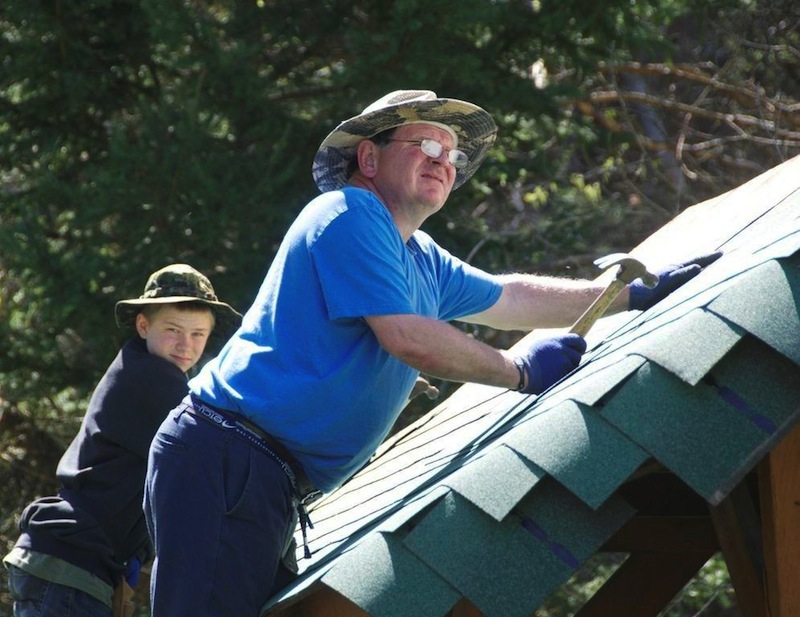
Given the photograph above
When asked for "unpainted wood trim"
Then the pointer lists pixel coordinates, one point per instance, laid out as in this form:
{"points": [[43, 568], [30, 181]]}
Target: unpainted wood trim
{"points": [[779, 482]]}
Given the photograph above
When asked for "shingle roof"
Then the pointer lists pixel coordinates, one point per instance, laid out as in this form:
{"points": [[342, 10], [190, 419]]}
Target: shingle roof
{"points": [[705, 383]]}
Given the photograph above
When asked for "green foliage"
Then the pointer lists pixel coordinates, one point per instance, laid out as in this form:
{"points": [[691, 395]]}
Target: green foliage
{"points": [[710, 593], [139, 133]]}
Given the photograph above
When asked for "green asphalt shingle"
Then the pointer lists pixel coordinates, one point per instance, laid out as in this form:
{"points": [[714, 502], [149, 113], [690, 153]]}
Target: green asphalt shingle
{"points": [[499, 497], [697, 433], [777, 283], [579, 449], [385, 579], [537, 548], [496, 494], [704, 340]]}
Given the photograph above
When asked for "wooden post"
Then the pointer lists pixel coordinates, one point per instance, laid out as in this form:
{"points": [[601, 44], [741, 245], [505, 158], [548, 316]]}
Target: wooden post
{"points": [[779, 488], [739, 534]]}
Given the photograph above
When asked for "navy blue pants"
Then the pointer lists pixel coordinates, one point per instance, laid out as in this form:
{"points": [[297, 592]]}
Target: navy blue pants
{"points": [[221, 514], [34, 597]]}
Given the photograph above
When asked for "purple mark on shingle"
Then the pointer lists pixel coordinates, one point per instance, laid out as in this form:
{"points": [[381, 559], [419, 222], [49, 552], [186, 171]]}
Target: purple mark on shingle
{"points": [[559, 550]]}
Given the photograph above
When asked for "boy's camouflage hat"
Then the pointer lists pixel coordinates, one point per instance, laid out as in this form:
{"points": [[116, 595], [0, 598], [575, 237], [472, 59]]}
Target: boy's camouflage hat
{"points": [[179, 283], [473, 127]]}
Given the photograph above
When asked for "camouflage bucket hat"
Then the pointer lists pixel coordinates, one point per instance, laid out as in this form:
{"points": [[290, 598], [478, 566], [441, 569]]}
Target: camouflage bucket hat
{"points": [[474, 128], [179, 283]]}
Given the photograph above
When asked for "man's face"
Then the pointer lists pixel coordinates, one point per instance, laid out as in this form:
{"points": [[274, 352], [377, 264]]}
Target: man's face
{"points": [[406, 176], [178, 336]]}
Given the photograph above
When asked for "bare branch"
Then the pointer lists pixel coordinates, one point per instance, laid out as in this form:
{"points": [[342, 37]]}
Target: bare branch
{"points": [[752, 94], [739, 119]]}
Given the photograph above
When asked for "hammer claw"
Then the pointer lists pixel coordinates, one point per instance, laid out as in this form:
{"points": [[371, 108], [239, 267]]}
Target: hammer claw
{"points": [[609, 260]]}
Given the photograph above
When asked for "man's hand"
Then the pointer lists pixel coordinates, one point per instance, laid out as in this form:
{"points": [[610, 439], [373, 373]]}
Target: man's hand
{"points": [[548, 360], [669, 279], [423, 386]]}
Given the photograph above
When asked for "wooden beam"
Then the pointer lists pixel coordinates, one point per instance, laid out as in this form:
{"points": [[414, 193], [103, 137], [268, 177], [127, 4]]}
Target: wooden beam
{"points": [[464, 608], [324, 602], [779, 484], [645, 584], [664, 534], [738, 530], [657, 492]]}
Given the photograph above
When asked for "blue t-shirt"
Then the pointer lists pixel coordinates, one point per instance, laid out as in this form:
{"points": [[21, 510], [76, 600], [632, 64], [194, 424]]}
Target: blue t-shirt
{"points": [[304, 365]]}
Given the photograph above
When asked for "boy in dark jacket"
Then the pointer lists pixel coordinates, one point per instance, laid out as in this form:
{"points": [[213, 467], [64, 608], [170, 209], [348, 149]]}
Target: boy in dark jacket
{"points": [[77, 547]]}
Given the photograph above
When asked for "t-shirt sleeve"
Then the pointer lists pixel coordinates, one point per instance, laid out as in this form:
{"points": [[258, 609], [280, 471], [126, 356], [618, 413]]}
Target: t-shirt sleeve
{"points": [[359, 265], [364, 268], [464, 289]]}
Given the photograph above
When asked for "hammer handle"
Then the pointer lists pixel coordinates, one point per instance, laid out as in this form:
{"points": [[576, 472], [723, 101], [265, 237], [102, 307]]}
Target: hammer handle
{"points": [[597, 308]]}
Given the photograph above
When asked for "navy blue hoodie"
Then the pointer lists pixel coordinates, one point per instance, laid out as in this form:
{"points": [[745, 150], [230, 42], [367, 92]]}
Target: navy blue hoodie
{"points": [[96, 521]]}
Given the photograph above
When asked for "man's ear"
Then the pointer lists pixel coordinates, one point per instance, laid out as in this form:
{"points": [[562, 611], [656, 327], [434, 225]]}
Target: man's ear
{"points": [[142, 325], [368, 155]]}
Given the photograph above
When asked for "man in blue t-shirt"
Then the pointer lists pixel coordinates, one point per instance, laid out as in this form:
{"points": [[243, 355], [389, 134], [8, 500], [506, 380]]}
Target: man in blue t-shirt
{"points": [[354, 307]]}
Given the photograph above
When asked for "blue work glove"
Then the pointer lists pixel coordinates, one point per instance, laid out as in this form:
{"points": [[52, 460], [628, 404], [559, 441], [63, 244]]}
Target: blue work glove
{"points": [[548, 360], [669, 279], [132, 571]]}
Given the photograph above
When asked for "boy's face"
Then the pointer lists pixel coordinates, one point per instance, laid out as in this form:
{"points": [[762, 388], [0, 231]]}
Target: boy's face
{"points": [[179, 336]]}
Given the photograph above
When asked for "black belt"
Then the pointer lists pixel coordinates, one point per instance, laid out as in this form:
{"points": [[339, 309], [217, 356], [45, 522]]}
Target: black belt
{"points": [[250, 432]]}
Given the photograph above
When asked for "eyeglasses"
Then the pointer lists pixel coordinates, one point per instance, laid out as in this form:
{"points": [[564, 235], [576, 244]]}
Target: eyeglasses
{"points": [[434, 149]]}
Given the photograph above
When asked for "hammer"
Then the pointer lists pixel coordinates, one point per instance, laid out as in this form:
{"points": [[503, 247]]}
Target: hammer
{"points": [[629, 270]]}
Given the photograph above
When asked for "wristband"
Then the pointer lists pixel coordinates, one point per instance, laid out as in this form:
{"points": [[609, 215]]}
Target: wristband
{"points": [[521, 368]]}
